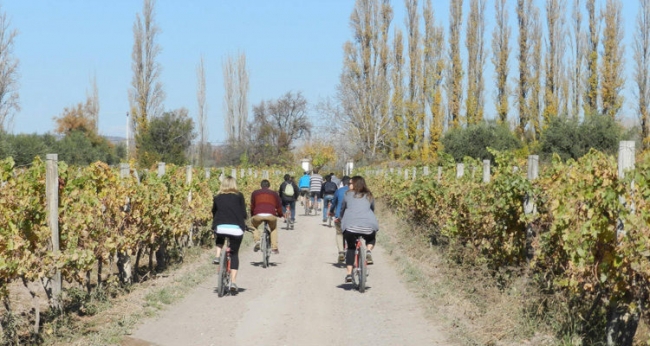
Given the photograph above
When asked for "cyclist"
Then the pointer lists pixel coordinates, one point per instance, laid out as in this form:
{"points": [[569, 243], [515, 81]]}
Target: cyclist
{"points": [[327, 192], [303, 184], [358, 218], [266, 206], [335, 211], [287, 192], [229, 221], [335, 180], [315, 184]]}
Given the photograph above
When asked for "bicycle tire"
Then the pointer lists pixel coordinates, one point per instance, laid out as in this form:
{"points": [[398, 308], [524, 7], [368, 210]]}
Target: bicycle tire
{"points": [[363, 266], [265, 247], [222, 275]]}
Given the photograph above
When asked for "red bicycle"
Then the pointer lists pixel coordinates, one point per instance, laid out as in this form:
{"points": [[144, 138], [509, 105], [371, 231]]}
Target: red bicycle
{"points": [[224, 284]]}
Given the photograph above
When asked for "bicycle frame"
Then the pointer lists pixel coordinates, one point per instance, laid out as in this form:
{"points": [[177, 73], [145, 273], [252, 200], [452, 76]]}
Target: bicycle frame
{"points": [[265, 245], [223, 276]]}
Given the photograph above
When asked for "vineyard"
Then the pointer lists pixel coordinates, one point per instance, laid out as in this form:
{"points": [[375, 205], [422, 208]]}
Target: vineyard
{"points": [[575, 245], [107, 218], [586, 237]]}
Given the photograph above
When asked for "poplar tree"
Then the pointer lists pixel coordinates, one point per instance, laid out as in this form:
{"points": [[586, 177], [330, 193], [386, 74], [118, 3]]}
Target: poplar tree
{"points": [[590, 104], [202, 111], [414, 106], [236, 85], [523, 82], [577, 63], [553, 59], [455, 67], [500, 57], [535, 107], [398, 134], [475, 61], [434, 65], [9, 97], [146, 95], [612, 59], [364, 85], [642, 69]]}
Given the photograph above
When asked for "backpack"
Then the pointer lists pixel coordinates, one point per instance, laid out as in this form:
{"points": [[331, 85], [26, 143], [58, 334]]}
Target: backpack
{"points": [[288, 190], [329, 188]]}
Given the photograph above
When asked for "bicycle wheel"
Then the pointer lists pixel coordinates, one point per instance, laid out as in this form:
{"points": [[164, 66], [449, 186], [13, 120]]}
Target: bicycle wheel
{"points": [[222, 275], [306, 206], [265, 247], [363, 267]]}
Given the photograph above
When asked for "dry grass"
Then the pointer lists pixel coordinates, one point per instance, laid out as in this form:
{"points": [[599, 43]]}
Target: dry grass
{"points": [[465, 299]]}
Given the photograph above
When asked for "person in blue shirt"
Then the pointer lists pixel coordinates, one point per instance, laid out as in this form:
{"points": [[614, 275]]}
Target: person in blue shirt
{"points": [[336, 212], [303, 185]]}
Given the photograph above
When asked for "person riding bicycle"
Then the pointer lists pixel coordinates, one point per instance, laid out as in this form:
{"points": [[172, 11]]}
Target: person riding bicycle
{"points": [[315, 184], [288, 192], [335, 180], [229, 221], [358, 219], [327, 192], [266, 206], [335, 211], [303, 184]]}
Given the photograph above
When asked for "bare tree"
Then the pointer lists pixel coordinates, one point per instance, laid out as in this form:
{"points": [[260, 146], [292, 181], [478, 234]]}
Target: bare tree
{"points": [[500, 57], [612, 65], [8, 73], [475, 61], [146, 95], [202, 111], [398, 135], [455, 67], [235, 82], [590, 104], [434, 66], [364, 87], [642, 69]]}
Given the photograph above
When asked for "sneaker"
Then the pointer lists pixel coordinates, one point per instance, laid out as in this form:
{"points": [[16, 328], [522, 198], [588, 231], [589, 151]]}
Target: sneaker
{"points": [[324, 220], [257, 247], [348, 278], [369, 257], [275, 252], [234, 289], [215, 260], [341, 257]]}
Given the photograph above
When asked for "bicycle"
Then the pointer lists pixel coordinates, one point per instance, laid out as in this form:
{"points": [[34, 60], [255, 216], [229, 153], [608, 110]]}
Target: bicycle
{"points": [[360, 269], [287, 217], [306, 203], [223, 275], [265, 245]]}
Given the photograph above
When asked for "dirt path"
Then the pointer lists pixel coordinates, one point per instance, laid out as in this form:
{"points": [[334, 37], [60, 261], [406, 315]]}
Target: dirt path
{"points": [[300, 300]]}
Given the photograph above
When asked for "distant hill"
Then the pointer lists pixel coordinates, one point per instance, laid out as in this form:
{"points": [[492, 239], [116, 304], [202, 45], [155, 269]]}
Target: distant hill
{"points": [[115, 139]]}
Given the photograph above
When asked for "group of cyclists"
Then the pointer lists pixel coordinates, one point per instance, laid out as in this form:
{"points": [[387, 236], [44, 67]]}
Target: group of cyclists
{"points": [[350, 201]]}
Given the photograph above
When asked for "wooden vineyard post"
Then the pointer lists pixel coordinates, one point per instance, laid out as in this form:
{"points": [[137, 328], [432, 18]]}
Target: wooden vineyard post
{"points": [[52, 196], [460, 170], [124, 267], [529, 204], [486, 171]]}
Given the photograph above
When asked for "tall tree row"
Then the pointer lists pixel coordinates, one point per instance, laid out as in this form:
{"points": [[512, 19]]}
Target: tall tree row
{"points": [[523, 82], [414, 104], [146, 95], [202, 112], [554, 58], [455, 67], [642, 69], [9, 96], [590, 104], [576, 64]]}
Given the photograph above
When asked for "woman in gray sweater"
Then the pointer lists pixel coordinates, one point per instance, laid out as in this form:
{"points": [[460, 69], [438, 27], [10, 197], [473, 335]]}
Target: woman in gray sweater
{"points": [[358, 218]]}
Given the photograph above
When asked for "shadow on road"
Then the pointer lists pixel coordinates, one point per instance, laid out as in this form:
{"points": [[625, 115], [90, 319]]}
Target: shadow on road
{"points": [[240, 290], [259, 264], [337, 264], [350, 287]]}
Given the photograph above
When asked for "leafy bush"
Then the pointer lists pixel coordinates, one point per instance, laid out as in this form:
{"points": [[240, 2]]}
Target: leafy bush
{"points": [[474, 140], [571, 139]]}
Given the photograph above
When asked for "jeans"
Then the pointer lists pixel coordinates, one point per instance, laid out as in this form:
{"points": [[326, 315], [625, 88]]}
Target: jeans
{"points": [[292, 204], [326, 199]]}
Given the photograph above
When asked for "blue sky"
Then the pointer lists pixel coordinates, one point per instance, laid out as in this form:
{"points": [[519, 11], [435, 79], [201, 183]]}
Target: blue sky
{"points": [[291, 45]]}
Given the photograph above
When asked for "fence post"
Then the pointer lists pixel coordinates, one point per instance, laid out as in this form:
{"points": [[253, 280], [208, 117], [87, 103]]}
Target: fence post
{"points": [[233, 173], [161, 169], [625, 163], [124, 170], [414, 172], [425, 171], [207, 173], [486, 171], [460, 170], [52, 196], [124, 267], [529, 204], [439, 174]]}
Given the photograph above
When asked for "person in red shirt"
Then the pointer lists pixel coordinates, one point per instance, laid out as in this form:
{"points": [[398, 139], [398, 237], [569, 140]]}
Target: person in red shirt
{"points": [[266, 206]]}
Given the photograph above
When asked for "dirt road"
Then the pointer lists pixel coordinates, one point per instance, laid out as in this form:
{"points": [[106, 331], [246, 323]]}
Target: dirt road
{"points": [[301, 299]]}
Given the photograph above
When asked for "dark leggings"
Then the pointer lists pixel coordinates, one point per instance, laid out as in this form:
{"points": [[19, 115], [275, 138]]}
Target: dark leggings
{"points": [[235, 242], [351, 244]]}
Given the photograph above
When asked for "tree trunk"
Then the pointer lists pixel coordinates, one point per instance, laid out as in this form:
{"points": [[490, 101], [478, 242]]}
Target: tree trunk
{"points": [[124, 267], [35, 305], [622, 323]]}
